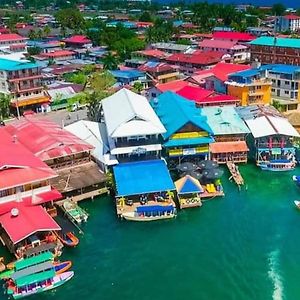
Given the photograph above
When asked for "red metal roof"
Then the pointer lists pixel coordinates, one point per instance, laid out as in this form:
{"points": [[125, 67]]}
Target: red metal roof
{"points": [[228, 147], [18, 165], [222, 98], [153, 53], [173, 86], [28, 221], [78, 39], [58, 53], [11, 37], [292, 17], [144, 24], [221, 71], [44, 197], [46, 139], [234, 36], [194, 93], [217, 44], [200, 58]]}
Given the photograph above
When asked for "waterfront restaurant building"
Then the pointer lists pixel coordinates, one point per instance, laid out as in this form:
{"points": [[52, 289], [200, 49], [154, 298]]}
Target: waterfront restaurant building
{"points": [[229, 132], [188, 134], [271, 139], [24, 187], [133, 128], [70, 157]]}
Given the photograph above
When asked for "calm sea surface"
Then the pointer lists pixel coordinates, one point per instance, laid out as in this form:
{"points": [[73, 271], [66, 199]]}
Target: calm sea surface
{"points": [[244, 246]]}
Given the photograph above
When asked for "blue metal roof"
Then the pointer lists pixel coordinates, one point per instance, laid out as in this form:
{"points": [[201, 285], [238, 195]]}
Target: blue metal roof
{"points": [[154, 208], [188, 142], [175, 112], [246, 73], [280, 68], [128, 74], [142, 177], [12, 65]]}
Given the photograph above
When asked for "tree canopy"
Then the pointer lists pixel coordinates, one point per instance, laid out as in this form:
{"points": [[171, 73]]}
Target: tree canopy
{"points": [[70, 18]]}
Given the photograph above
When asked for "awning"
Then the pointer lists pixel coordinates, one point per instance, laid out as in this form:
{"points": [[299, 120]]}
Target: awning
{"points": [[31, 101], [142, 177], [30, 219], [45, 197], [228, 147], [188, 185], [188, 142], [35, 278], [27, 262], [154, 208], [48, 265]]}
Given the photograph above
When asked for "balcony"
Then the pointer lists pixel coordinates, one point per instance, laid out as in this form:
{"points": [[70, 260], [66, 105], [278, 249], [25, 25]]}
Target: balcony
{"points": [[133, 143]]}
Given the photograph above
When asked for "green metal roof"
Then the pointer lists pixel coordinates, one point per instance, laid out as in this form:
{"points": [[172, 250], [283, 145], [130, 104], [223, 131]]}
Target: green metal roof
{"points": [[175, 112], [225, 120], [12, 65], [27, 262], [278, 42], [188, 142], [35, 278]]}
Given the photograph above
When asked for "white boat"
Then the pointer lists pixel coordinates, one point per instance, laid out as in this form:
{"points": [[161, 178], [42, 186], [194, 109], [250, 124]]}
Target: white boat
{"points": [[297, 203], [75, 212], [277, 165]]}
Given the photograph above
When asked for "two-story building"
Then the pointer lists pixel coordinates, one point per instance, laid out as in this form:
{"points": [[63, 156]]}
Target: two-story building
{"points": [[133, 128], [22, 81], [188, 134], [25, 185], [288, 23], [271, 138], [250, 86]]}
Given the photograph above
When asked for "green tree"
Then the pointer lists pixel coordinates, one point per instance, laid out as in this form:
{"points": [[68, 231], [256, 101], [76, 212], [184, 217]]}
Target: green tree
{"points": [[32, 34], [40, 34], [101, 81], [162, 31], [145, 17], [70, 18], [34, 50], [46, 31], [138, 87], [278, 9], [78, 78], [183, 42], [110, 62], [4, 106]]}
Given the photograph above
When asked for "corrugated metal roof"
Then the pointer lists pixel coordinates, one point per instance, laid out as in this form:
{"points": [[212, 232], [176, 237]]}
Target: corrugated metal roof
{"points": [[277, 42], [175, 111], [224, 120], [129, 114]]}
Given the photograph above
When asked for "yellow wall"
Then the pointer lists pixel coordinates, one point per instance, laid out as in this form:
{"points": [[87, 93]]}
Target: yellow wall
{"points": [[243, 93]]}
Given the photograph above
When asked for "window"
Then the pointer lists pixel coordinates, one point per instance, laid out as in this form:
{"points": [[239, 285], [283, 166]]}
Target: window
{"points": [[286, 92], [273, 90], [287, 82]]}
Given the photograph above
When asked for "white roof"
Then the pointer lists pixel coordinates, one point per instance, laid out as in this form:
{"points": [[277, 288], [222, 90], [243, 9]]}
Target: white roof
{"points": [[129, 114], [265, 126], [94, 134], [61, 93]]}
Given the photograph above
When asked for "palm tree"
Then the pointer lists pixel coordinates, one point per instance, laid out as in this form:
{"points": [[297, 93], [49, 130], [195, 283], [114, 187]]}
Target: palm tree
{"points": [[46, 30], [4, 106], [110, 62]]}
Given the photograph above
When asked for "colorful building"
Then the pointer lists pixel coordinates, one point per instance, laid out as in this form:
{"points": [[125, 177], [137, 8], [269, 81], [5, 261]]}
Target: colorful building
{"points": [[288, 23], [22, 80], [270, 50], [133, 129], [25, 185], [188, 134], [79, 176], [229, 132], [285, 85], [271, 139], [251, 87]]}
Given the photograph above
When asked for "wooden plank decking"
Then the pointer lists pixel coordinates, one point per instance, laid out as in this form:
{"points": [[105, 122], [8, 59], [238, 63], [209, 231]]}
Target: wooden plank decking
{"points": [[235, 173]]}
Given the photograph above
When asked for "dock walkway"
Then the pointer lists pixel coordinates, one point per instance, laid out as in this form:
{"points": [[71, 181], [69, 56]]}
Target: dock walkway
{"points": [[235, 173]]}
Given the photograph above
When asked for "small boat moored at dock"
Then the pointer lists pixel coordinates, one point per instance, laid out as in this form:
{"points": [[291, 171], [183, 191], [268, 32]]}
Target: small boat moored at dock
{"points": [[75, 212], [277, 165], [296, 179], [68, 239]]}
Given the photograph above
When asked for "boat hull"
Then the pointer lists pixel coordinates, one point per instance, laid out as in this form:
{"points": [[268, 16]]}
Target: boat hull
{"points": [[58, 280], [297, 203], [70, 239], [133, 217], [61, 267]]}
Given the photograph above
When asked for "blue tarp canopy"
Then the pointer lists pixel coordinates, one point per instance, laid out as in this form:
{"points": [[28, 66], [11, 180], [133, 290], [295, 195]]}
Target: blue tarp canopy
{"points": [[154, 208], [142, 177]]}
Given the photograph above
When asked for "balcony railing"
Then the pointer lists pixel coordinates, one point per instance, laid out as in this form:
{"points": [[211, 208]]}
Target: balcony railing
{"points": [[132, 143]]}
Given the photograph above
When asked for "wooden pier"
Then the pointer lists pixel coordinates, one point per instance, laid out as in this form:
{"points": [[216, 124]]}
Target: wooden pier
{"points": [[235, 173]]}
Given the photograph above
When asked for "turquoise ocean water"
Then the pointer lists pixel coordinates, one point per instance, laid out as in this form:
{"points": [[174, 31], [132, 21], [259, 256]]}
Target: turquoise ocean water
{"points": [[240, 247]]}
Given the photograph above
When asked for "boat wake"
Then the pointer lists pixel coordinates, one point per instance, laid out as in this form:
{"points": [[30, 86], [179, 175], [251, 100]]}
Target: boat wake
{"points": [[275, 276]]}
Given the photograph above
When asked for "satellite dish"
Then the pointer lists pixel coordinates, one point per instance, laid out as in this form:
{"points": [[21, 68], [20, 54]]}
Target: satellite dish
{"points": [[14, 212]]}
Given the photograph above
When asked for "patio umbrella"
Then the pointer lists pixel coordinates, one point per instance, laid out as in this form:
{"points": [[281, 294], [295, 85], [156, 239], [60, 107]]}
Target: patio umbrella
{"points": [[207, 164], [187, 167], [215, 173], [197, 175]]}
